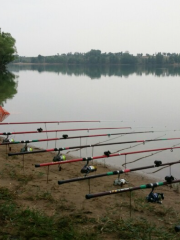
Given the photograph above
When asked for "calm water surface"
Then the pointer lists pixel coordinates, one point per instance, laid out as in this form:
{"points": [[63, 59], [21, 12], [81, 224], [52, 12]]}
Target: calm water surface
{"points": [[144, 102]]}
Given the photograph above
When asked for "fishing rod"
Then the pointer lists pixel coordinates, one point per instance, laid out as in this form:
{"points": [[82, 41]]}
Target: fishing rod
{"points": [[87, 146], [86, 121], [106, 155], [169, 180], [117, 150], [40, 130], [118, 172], [67, 137], [12, 123]]}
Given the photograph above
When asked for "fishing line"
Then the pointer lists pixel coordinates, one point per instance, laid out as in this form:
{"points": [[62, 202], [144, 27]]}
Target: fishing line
{"points": [[46, 133], [148, 155], [121, 135], [158, 170], [96, 143], [137, 144]]}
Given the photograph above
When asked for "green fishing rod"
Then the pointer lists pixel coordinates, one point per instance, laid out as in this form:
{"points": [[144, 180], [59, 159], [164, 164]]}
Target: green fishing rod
{"points": [[157, 163]]}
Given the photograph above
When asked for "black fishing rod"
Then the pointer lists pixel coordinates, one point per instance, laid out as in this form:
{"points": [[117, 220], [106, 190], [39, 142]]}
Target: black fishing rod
{"points": [[87, 146], [118, 172], [169, 180]]}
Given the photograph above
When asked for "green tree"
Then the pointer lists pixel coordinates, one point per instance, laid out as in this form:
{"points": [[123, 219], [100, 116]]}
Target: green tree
{"points": [[8, 87], [7, 49], [159, 58]]}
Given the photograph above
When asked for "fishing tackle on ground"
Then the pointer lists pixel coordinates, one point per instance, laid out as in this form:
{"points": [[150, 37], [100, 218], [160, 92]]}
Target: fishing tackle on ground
{"points": [[26, 149], [29, 149], [7, 140], [119, 182], [88, 169], [155, 197], [59, 157]]}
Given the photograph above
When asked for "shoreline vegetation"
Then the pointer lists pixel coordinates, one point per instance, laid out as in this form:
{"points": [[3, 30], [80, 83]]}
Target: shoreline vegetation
{"points": [[96, 57], [31, 208], [98, 71], [7, 50]]}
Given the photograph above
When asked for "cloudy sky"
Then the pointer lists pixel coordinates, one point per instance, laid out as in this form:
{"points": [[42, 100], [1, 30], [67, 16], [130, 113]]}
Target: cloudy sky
{"points": [[48, 27]]}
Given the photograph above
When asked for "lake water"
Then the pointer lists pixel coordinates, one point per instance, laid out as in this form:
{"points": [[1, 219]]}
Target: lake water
{"points": [[143, 99]]}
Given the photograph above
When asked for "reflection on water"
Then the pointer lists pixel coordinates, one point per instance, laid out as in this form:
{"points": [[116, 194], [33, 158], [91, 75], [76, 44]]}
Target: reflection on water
{"points": [[143, 102], [95, 72], [8, 86]]}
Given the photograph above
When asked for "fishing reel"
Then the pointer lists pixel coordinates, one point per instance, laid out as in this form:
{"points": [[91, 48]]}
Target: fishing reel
{"points": [[39, 129], [26, 149], [65, 136], [58, 158], [7, 140], [119, 182], [155, 197], [107, 153], [157, 163], [88, 169], [169, 179]]}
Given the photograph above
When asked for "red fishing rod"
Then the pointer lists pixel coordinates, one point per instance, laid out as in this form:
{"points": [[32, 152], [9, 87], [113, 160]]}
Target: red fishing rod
{"points": [[40, 130], [12, 123], [67, 137], [106, 155], [118, 172], [91, 145]]}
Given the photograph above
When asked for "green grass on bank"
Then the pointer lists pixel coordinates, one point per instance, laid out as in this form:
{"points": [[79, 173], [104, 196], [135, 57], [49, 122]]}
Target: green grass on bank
{"points": [[18, 223]]}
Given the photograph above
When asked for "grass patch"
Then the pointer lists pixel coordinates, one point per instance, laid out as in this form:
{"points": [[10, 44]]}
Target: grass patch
{"points": [[139, 229], [17, 223]]}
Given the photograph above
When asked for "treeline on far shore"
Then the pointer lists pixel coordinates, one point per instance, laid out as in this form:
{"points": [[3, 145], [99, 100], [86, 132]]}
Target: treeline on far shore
{"points": [[98, 58]]}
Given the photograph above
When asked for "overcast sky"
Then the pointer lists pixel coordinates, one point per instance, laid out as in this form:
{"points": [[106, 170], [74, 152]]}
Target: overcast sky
{"points": [[48, 27]]}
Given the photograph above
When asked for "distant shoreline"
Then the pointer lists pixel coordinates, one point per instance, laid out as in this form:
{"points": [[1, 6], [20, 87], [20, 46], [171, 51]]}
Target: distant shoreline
{"points": [[67, 64]]}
